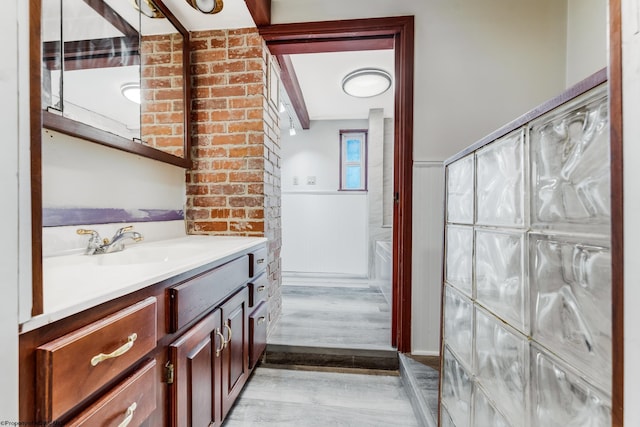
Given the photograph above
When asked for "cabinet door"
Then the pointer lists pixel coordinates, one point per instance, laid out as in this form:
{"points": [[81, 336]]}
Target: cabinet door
{"points": [[235, 356], [195, 392]]}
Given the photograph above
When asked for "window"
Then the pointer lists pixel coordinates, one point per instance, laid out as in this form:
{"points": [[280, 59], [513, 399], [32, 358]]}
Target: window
{"points": [[353, 160]]}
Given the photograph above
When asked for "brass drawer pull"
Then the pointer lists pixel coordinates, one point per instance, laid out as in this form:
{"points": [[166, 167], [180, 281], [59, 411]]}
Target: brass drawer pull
{"points": [[223, 343], [129, 415], [261, 288], [230, 333], [118, 352], [261, 320]]}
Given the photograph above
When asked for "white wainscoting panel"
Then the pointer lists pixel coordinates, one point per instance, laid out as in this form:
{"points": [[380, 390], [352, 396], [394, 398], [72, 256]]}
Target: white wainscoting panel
{"points": [[428, 205]]}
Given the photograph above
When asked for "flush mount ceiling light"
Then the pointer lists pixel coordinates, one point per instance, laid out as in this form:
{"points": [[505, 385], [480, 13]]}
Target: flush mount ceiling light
{"points": [[131, 91], [366, 82], [206, 6], [148, 8]]}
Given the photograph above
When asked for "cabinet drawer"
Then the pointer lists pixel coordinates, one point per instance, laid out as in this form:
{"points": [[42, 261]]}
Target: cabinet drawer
{"points": [[72, 367], [134, 400], [258, 290], [257, 333], [257, 261], [190, 299]]}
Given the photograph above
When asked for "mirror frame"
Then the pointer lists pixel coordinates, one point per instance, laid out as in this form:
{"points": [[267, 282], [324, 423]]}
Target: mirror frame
{"points": [[81, 130], [40, 119]]}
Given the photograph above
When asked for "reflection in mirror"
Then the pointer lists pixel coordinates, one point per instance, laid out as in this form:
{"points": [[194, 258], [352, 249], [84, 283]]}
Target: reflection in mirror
{"points": [[109, 47], [162, 85]]}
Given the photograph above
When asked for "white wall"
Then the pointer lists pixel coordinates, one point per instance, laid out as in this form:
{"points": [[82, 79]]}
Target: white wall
{"points": [[10, 70], [586, 38], [631, 138], [428, 185], [467, 53], [315, 152], [325, 233], [81, 174], [323, 230]]}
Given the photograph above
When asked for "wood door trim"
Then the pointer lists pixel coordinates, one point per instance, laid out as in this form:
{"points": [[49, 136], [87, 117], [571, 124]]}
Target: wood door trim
{"points": [[333, 36], [617, 211]]}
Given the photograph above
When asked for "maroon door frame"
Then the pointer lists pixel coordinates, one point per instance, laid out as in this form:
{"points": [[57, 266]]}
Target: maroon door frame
{"points": [[366, 34]]}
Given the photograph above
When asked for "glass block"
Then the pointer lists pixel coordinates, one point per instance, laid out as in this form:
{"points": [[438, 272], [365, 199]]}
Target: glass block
{"points": [[571, 290], [456, 390], [458, 324], [459, 255], [570, 165], [484, 414], [560, 398], [460, 190], [500, 273], [445, 418], [500, 182], [502, 360]]}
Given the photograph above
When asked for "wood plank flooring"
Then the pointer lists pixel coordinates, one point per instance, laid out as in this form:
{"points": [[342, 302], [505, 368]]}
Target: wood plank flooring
{"points": [[295, 398], [332, 314]]}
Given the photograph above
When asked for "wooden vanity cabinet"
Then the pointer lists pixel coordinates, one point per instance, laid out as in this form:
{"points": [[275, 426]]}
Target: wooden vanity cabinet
{"points": [[235, 355], [195, 388], [172, 354]]}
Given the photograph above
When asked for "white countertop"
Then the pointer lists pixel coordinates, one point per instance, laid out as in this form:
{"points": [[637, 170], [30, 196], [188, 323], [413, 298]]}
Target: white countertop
{"points": [[73, 283]]}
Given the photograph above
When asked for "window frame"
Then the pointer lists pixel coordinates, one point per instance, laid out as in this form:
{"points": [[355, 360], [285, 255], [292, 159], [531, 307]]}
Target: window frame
{"points": [[364, 160]]}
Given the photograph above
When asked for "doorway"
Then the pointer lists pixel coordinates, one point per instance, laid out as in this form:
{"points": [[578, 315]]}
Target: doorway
{"points": [[373, 34]]}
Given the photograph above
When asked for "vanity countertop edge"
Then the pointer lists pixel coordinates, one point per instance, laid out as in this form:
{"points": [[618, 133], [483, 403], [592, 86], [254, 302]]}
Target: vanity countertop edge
{"points": [[74, 283]]}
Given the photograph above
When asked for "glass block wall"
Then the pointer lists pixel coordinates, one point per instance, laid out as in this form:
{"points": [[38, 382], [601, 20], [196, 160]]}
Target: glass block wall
{"points": [[527, 292]]}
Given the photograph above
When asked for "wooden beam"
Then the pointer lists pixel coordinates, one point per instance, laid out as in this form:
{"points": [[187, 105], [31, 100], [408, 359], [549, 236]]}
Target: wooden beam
{"points": [[260, 11], [331, 45], [96, 53], [112, 17], [292, 86]]}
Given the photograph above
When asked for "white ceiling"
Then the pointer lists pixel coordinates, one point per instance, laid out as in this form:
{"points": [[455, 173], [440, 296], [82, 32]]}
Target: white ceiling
{"points": [[320, 76]]}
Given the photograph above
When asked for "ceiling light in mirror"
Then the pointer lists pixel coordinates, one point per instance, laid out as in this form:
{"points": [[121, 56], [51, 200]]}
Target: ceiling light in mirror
{"points": [[148, 8], [131, 91], [366, 82], [207, 6]]}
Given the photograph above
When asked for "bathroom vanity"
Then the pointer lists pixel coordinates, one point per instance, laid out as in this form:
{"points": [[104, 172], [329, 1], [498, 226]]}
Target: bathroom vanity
{"points": [[162, 333]]}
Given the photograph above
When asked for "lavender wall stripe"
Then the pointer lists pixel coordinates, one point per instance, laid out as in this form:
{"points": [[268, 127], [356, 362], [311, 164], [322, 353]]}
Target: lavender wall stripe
{"points": [[56, 217]]}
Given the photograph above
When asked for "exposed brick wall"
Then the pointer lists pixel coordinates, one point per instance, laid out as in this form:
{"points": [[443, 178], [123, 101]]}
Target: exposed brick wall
{"points": [[234, 185], [162, 121]]}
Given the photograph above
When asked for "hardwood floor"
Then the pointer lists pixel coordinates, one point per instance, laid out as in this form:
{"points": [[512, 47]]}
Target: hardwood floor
{"points": [[326, 313], [297, 398]]}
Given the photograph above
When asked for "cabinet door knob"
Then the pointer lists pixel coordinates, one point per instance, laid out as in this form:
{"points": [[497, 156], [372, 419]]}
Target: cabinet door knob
{"points": [[223, 343], [261, 320], [229, 332], [261, 288], [129, 415], [260, 261], [116, 353]]}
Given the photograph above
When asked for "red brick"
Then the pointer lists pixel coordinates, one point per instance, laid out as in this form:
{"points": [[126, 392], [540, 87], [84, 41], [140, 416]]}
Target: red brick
{"points": [[248, 77], [254, 101], [237, 90], [209, 177], [226, 115], [229, 139], [228, 164], [246, 176], [246, 126], [210, 201], [245, 201], [228, 66], [210, 226]]}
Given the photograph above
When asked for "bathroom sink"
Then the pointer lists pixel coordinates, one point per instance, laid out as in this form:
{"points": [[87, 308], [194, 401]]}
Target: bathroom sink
{"points": [[141, 255]]}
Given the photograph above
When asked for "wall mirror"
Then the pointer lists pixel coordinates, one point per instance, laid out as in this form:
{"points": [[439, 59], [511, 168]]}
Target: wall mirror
{"points": [[114, 72]]}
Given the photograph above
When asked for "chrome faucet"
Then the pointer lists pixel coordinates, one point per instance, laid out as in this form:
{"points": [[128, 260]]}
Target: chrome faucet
{"points": [[98, 246]]}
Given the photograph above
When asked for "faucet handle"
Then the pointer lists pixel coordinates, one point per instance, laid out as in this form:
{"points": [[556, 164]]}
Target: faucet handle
{"points": [[85, 231], [124, 229]]}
